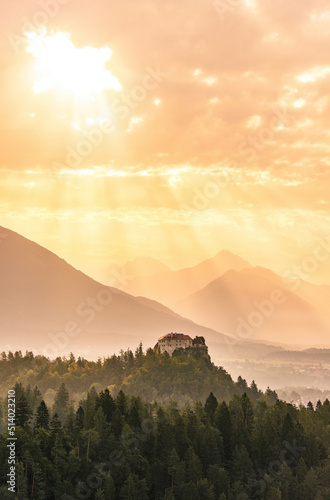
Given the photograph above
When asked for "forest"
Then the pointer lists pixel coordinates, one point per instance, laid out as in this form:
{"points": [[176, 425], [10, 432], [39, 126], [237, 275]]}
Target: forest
{"points": [[186, 377], [134, 440]]}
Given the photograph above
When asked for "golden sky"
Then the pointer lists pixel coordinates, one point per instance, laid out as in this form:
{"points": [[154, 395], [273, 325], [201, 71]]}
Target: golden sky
{"points": [[167, 128]]}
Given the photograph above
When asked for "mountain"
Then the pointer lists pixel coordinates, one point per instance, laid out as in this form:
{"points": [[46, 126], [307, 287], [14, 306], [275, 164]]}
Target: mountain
{"points": [[256, 304], [170, 286], [144, 266], [141, 266], [316, 295], [48, 306]]}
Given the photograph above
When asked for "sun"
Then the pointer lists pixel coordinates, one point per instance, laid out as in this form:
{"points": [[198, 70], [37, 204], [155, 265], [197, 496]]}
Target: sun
{"points": [[61, 65]]}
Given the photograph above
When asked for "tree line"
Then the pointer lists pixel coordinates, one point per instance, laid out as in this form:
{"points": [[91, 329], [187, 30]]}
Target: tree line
{"points": [[146, 374], [114, 445]]}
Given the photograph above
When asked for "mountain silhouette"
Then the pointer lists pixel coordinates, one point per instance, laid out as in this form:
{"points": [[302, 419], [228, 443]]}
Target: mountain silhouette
{"points": [[257, 304], [170, 286], [48, 306]]}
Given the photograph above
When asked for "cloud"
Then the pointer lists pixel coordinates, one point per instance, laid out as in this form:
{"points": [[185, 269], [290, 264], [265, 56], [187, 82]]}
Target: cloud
{"points": [[245, 65], [246, 97]]}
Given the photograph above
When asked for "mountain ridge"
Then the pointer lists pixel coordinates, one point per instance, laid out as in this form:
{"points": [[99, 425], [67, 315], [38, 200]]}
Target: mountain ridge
{"points": [[236, 298], [177, 284], [44, 300]]}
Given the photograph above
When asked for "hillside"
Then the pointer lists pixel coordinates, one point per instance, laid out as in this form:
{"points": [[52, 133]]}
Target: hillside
{"points": [[144, 374], [49, 307], [316, 295], [233, 304], [114, 444]]}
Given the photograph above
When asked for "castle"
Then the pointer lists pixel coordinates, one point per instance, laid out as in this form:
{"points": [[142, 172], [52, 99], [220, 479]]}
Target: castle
{"points": [[173, 341]]}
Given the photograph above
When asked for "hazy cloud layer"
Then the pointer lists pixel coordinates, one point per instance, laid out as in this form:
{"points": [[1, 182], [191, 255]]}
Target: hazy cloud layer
{"points": [[242, 101]]}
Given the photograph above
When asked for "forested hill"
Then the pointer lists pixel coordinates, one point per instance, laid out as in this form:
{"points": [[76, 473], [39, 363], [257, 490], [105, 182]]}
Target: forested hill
{"points": [[123, 447], [186, 377]]}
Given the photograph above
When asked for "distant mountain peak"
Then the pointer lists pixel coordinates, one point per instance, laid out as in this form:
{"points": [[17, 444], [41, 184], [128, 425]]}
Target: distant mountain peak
{"points": [[260, 303], [144, 266], [226, 253], [50, 307], [170, 286]]}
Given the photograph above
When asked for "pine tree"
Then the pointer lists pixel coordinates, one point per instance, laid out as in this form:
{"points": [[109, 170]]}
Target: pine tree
{"points": [[219, 477], [36, 397], [133, 416], [99, 495], [33, 397], [169, 495], [301, 470], [89, 406], [319, 406], [310, 406], [287, 432], [134, 489], [23, 411], [39, 484], [19, 391], [241, 385], [274, 494], [121, 402], [189, 491], [255, 393], [193, 465], [99, 420], [109, 488], [139, 351], [242, 465], [61, 402], [287, 486], [55, 425], [222, 421], [172, 464], [205, 489], [42, 418], [22, 487], [80, 417], [70, 424], [271, 397], [105, 400], [210, 406], [117, 422], [248, 413]]}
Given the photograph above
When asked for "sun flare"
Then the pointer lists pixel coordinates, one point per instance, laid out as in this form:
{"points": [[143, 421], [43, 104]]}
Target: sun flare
{"points": [[62, 65]]}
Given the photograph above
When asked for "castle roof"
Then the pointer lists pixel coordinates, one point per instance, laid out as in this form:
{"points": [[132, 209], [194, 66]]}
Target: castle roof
{"points": [[175, 336]]}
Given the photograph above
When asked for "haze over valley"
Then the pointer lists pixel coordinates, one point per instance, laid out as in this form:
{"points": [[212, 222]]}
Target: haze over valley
{"points": [[249, 316]]}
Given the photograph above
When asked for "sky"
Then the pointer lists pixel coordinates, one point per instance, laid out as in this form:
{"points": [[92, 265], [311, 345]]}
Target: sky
{"points": [[172, 129]]}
